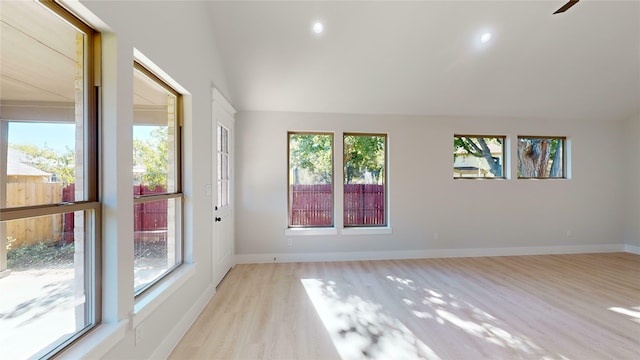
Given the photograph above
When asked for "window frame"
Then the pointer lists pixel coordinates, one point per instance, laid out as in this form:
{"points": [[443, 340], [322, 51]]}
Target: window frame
{"points": [[502, 157], [385, 180], [563, 140], [177, 194], [333, 176], [91, 204]]}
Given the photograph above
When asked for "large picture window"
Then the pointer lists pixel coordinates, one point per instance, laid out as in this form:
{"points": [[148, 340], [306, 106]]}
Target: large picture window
{"points": [[478, 156], [156, 178], [541, 157], [310, 179], [49, 210], [365, 171]]}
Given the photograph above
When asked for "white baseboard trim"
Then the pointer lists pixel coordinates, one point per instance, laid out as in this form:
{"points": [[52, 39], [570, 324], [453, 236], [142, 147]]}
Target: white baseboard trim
{"points": [[427, 253], [165, 348], [633, 249]]}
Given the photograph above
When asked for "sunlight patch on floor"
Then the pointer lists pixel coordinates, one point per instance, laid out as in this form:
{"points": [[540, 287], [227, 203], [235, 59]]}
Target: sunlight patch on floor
{"points": [[360, 328], [634, 314], [448, 309]]}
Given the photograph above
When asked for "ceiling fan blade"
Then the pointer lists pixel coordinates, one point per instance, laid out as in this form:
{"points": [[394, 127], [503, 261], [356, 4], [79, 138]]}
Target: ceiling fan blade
{"points": [[566, 6]]}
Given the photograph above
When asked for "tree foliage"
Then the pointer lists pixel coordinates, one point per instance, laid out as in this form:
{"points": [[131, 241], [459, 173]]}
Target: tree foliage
{"points": [[311, 157], [61, 165], [363, 154], [313, 154], [152, 156]]}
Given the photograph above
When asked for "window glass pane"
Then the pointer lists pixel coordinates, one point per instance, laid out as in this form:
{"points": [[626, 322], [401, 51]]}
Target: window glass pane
{"points": [[364, 180], [224, 193], [219, 138], [478, 156], [45, 159], [44, 301], [310, 180], [154, 137], [223, 166], [541, 157], [156, 240], [42, 67]]}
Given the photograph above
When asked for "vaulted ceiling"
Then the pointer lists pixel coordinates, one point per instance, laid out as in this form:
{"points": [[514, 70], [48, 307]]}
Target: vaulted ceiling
{"points": [[426, 57]]}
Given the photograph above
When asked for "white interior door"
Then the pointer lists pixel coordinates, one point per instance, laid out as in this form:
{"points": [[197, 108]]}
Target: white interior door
{"points": [[223, 238]]}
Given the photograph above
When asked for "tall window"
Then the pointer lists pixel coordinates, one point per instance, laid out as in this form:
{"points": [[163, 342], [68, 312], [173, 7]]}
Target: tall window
{"points": [[541, 157], [478, 156], [310, 179], [49, 210], [156, 178], [365, 171]]}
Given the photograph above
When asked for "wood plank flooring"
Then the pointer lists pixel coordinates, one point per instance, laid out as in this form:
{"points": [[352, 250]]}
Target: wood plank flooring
{"points": [[583, 307]]}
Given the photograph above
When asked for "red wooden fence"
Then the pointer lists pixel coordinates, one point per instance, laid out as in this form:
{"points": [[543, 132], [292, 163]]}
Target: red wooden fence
{"points": [[150, 216], [363, 204], [68, 195], [312, 205]]}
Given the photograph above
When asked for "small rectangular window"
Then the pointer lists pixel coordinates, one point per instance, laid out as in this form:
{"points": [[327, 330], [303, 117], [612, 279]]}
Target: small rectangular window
{"points": [[310, 179], [478, 156], [365, 172], [541, 157]]}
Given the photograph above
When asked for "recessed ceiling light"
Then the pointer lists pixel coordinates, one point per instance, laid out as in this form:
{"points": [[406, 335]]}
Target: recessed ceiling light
{"points": [[318, 27], [485, 37]]}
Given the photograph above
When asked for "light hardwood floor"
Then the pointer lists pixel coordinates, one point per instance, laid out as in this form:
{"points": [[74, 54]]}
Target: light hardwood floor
{"points": [[580, 307]]}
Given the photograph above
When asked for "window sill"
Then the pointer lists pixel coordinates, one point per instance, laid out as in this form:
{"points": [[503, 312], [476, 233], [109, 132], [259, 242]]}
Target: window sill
{"points": [[384, 230], [97, 342], [310, 231], [153, 298]]}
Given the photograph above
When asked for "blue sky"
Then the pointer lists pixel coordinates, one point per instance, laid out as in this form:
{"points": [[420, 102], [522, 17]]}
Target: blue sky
{"points": [[56, 136]]}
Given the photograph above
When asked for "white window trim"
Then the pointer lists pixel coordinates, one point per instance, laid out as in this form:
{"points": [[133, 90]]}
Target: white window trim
{"points": [[374, 230], [310, 231], [97, 343], [149, 301]]}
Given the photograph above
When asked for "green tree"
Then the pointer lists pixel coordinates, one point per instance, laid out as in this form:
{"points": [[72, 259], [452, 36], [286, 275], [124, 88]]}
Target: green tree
{"points": [[363, 153], [314, 153], [62, 165], [152, 156]]}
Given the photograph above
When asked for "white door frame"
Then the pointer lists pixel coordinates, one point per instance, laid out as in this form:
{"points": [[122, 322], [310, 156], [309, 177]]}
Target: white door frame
{"points": [[223, 229]]}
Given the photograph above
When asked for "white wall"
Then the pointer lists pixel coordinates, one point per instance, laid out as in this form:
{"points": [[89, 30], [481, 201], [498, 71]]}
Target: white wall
{"points": [[490, 216], [631, 169], [175, 36], [424, 198]]}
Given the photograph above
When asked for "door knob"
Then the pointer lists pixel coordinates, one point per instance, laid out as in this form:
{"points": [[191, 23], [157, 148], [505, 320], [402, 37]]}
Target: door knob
{"points": [[218, 219]]}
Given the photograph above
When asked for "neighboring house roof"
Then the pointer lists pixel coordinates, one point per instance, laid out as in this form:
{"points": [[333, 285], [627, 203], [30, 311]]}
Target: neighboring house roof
{"points": [[17, 167]]}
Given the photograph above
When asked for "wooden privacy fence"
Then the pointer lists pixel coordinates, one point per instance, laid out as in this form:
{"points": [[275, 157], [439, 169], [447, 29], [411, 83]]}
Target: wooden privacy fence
{"points": [[312, 205], [364, 204], [34, 230], [148, 217]]}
